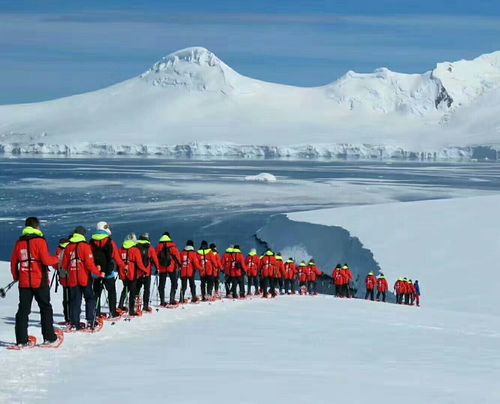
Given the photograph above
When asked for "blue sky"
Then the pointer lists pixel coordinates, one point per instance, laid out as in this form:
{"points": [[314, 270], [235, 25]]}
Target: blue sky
{"points": [[50, 49]]}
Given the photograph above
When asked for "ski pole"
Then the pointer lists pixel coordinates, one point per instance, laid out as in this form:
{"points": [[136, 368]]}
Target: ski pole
{"points": [[52, 280], [57, 282], [3, 291]]}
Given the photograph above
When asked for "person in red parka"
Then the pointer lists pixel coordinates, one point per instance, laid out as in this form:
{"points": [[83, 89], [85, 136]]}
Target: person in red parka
{"points": [[279, 274], [29, 266], [382, 287], [347, 274], [107, 256], [190, 263], [217, 269], [133, 266], [338, 280], [63, 278], [266, 269], [313, 273], [370, 282], [303, 275], [290, 275], [208, 262], [169, 260], [78, 261], [238, 270], [149, 258], [253, 262], [226, 268]]}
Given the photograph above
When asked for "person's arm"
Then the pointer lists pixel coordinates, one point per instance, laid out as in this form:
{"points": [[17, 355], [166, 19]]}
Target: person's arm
{"points": [[136, 258], [14, 263], [86, 256], [196, 261], [44, 255], [154, 257], [116, 256]]}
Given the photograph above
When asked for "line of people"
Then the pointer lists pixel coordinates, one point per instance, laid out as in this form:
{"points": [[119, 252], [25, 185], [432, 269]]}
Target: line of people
{"points": [[405, 290]]}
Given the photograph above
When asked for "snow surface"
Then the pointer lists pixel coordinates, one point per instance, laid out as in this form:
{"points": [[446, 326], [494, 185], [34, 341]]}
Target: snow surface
{"points": [[262, 177], [190, 103], [302, 349]]}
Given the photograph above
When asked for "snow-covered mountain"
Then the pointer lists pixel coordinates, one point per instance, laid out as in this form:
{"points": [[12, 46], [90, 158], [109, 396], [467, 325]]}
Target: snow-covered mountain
{"points": [[192, 103]]}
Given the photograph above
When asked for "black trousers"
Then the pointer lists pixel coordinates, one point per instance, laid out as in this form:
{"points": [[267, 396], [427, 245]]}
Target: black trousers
{"points": [[212, 280], [228, 284], [282, 284], [238, 282], [42, 297], [289, 286], [345, 290], [173, 286], [264, 284], [146, 282], [110, 285], [383, 295], [311, 287], [207, 283], [192, 287], [253, 280], [66, 304], [216, 284], [370, 293], [123, 295], [272, 286], [76, 295]]}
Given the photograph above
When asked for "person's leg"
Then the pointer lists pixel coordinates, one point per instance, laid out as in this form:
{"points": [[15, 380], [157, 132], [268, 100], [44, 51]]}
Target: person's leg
{"points": [[66, 310], [242, 286], [146, 281], [263, 285], [216, 284], [249, 284], [42, 297], [76, 305], [173, 285], [110, 285], [210, 285], [192, 288], [123, 295], [161, 287], [90, 304], [383, 296], [132, 288], [183, 288], [203, 287], [97, 288], [22, 315]]}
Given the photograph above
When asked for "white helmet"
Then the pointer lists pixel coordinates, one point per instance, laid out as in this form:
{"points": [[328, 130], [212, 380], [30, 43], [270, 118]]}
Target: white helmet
{"points": [[104, 226]]}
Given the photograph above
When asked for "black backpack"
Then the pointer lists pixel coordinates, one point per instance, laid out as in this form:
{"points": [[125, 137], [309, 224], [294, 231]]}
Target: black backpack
{"points": [[165, 257], [103, 256], [144, 249]]}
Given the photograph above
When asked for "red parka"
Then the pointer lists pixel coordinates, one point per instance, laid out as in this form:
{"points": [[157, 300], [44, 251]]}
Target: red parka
{"points": [[370, 282], [382, 285], [252, 262], [218, 263], [30, 259], [290, 270], [314, 272], [101, 241], [279, 270], [303, 272], [152, 258], [132, 259], [189, 262], [207, 262], [338, 277], [267, 266], [347, 274], [175, 255], [78, 261]]}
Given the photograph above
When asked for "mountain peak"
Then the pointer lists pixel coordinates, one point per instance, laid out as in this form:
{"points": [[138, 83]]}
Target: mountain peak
{"points": [[194, 68]]}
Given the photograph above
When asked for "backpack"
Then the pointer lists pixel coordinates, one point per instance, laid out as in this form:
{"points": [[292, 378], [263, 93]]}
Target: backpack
{"points": [[144, 249], [103, 256], [236, 263], [165, 257]]}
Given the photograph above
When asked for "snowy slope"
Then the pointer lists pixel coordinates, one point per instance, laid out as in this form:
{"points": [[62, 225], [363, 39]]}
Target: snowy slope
{"points": [[190, 102], [451, 245], [303, 349]]}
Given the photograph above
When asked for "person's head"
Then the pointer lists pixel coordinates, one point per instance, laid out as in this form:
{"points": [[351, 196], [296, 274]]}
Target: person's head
{"points": [[131, 237], [253, 251], [338, 266], [166, 233], [236, 247], [290, 259], [80, 230], [213, 247], [104, 227], [144, 237], [311, 262], [269, 252], [63, 241], [203, 245], [190, 243], [370, 273], [33, 222]]}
